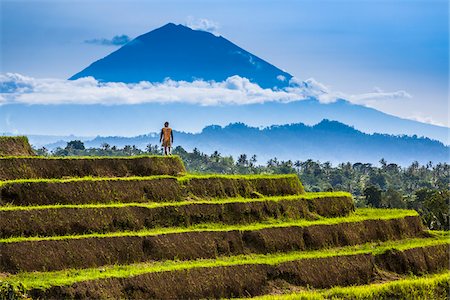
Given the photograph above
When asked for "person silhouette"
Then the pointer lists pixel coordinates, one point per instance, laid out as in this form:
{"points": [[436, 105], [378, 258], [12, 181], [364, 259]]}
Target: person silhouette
{"points": [[166, 138]]}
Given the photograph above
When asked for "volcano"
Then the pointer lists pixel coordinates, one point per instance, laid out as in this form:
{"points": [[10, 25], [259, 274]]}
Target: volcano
{"points": [[181, 53]]}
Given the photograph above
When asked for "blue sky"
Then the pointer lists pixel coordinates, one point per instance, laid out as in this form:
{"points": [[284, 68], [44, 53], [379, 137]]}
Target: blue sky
{"points": [[353, 47]]}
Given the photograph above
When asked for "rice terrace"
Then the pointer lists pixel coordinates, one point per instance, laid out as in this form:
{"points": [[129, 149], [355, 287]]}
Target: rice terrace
{"points": [[141, 227], [227, 149]]}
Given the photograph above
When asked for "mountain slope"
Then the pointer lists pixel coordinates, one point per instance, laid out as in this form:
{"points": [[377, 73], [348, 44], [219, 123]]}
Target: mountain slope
{"points": [[181, 53], [129, 120], [325, 141]]}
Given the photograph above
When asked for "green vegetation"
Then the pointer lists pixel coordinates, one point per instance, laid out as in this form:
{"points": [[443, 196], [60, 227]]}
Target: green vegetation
{"points": [[86, 178], [15, 145], [414, 187], [12, 168], [40, 157], [434, 208], [75, 148], [245, 230], [237, 176], [358, 216], [45, 280], [50, 220], [181, 179], [306, 196], [17, 138], [425, 287], [75, 145], [144, 189], [397, 187]]}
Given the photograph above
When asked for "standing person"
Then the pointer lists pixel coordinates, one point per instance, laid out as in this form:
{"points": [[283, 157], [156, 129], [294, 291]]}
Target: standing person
{"points": [[166, 137]]}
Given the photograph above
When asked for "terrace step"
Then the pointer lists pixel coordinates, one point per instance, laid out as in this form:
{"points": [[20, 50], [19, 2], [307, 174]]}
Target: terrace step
{"points": [[101, 218], [145, 189], [190, 236], [430, 286], [248, 275], [208, 241], [48, 167], [15, 145]]}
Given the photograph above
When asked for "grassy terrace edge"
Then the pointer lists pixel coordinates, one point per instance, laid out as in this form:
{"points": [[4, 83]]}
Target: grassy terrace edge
{"points": [[29, 167], [44, 280], [15, 145], [159, 188], [181, 179], [412, 287], [87, 157], [357, 216], [306, 196]]}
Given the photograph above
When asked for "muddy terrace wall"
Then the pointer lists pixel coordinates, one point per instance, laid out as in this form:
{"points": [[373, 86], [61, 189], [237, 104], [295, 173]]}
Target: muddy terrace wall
{"points": [[66, 221], [41, 167], [252, 279], [157, 189], [93, 252], [15, 145]]}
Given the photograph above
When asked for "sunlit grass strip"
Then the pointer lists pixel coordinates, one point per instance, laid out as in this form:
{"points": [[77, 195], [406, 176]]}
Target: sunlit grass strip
{"points": [[235, 176], [424, 287], [90, 157], [358, 216], [86, 178], [131, 178], [45, 280], [306, 196], [17, 137]]}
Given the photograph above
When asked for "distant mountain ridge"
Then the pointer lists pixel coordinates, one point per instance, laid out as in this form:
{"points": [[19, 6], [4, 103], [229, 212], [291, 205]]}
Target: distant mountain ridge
{"points": [[326, 141], [180, 53], [134, 119]]}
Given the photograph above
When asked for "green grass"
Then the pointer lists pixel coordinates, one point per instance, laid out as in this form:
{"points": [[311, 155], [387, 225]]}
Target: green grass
{"points": [[86, 178], [180, 179], [306, 196], [413, 287], [19, 138], [358, 216], [13, 141], [245, 177], [45, 280], [90, 157]]}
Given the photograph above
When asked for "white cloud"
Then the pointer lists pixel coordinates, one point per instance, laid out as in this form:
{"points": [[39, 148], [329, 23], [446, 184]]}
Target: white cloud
{"points": [[326, 95], [427, 119], [117, 40], [16, 88], [203, 25], [281, 78], [378, 95], [235, 90]]}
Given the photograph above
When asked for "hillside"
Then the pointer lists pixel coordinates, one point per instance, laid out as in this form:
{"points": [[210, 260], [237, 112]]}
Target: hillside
{"points": [[143, 233], [132, 120], [327, 141], [12, 146], [180, 53]]}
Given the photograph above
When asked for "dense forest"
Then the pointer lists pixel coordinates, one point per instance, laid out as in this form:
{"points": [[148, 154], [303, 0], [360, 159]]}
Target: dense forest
{"points": [[424, 188]]}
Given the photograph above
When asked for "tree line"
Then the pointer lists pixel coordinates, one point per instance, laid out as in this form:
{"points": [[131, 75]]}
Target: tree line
{"points": [[424, 188]]}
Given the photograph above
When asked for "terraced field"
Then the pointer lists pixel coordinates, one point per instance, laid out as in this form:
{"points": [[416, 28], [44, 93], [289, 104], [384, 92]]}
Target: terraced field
{"points": [[140, 228]]}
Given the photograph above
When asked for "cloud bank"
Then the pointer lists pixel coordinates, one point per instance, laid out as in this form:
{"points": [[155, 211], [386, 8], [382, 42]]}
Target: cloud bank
{"points": [[117, 40], [235, 90], [325, 95], [203, 25]]}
